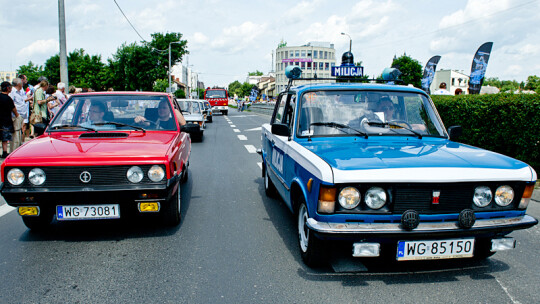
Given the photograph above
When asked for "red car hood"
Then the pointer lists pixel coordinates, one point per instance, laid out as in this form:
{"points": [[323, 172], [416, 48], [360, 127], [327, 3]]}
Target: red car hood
{"points": [[69, 149]]}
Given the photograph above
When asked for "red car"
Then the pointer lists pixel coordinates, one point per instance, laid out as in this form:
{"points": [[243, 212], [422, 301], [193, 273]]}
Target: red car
{"points": [[103, 156]]}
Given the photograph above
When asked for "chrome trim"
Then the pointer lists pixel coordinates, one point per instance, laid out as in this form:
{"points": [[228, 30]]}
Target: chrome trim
{"points": [[339, 228], [281, 180]]}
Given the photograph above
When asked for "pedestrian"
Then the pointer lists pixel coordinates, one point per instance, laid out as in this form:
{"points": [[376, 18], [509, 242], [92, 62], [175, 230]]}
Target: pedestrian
{"points": [[60, 98], [72, 90], [442, 90], [40, 107], [21, 103], [458, 91], [6, 123]]}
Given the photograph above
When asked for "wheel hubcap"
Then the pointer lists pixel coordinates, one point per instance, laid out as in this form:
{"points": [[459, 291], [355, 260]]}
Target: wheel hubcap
{"points": [[303, 230]]}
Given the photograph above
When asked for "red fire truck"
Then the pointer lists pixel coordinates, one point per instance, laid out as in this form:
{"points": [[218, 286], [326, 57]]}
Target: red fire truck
{"points": [[219, 100]]}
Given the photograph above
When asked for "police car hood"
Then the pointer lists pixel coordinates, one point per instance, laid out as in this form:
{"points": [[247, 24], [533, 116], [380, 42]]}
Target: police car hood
{"points": [[418, 161]]}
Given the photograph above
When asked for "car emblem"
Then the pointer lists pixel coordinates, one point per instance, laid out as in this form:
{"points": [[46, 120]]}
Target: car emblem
{"points": [[85, 177], [436, 196]]}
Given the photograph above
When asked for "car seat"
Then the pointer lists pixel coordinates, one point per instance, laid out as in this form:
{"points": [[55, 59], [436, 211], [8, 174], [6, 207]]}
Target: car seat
{"points": [[309, 115], [151, 114], [108, 116]]}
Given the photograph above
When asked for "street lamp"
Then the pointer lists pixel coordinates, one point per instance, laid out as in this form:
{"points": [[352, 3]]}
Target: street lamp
{"points": [[350, 44], [170, 63]]}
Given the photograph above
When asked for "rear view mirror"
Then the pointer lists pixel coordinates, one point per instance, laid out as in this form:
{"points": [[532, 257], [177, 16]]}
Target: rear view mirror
{"points": [[281, 129], [454, 132], [190, 128]]}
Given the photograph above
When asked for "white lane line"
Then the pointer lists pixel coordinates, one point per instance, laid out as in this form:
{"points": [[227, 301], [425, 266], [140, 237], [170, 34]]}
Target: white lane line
{"points": [[255, 129], [233, 126], [259, 164], [230, 122], [251, 148], [242, 137], [5, 209], [236, 130], [507, 293]]}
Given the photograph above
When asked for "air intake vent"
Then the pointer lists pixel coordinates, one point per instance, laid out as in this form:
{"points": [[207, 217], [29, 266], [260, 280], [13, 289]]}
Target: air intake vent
{"points": [[104, 135]]}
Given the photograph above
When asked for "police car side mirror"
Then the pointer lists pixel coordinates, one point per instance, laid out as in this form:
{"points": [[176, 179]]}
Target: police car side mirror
{"points": [[280, 129], [454, 132]]}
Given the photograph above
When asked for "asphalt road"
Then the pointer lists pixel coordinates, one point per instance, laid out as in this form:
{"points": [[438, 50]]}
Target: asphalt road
{"points": [[234, 245]]}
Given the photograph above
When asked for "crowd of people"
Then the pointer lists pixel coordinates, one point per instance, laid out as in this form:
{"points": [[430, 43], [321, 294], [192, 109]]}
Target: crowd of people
{"points": [[25, 109]]}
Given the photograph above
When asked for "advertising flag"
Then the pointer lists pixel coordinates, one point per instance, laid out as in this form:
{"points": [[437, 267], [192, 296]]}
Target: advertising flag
{"points": [[429, 73], [478, 68]]}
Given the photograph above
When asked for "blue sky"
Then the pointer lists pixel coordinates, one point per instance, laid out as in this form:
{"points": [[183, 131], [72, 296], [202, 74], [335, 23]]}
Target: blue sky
{"points": [[228, 39]]}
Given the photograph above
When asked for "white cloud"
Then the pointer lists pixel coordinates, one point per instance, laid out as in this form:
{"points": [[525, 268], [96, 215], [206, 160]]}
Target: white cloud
{"points": [[237, 38], [300, 12], [39, 47]]}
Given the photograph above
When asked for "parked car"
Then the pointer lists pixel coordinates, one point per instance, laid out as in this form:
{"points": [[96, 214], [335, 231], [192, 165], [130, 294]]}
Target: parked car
{"points": [[104, 156], [192, 110], [372, 165], [209, 111]]}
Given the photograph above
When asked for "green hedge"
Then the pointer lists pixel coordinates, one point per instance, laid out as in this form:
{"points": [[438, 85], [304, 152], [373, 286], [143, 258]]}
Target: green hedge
{"points": [[505, 123]]}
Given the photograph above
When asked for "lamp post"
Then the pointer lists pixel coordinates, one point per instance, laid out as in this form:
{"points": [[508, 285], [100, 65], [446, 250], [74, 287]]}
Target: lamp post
{"points": [[170, 64], [350, 42]]}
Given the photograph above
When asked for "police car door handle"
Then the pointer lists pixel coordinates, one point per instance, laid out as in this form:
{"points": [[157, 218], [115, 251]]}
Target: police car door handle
{"points": [[273, 141]]}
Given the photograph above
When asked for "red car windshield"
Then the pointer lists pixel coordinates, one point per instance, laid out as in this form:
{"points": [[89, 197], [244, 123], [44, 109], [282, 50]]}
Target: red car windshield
{"points": [[216, 94]]}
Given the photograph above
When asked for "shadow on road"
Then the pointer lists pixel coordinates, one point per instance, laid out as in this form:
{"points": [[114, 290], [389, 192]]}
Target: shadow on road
{"points": [[134, 226]]}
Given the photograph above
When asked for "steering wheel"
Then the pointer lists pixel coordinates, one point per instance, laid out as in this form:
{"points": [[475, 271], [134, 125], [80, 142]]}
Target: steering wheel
{"points": [[400, 122]]}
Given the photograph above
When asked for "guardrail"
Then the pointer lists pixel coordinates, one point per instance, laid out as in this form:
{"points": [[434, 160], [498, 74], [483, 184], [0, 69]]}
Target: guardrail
{"points": [[261, 108]]}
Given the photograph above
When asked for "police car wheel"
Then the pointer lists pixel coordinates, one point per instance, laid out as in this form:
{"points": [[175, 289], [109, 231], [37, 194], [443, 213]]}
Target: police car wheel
{"points": [[311, 248], [269, 188], [38, 223]]}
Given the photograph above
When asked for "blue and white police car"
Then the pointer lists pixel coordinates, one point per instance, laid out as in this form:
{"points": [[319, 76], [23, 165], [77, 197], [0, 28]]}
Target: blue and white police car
{"points": [[373, 165]]}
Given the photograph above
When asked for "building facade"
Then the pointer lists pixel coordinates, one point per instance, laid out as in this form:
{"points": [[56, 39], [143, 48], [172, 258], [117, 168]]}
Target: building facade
{"points": [[314, 58], [7, 76], [454, 80]]}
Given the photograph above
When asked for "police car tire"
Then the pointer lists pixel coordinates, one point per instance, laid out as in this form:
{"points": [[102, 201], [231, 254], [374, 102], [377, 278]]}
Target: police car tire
{"points": [[269, 187], [38, 223], [172, 213], [312, 248]]}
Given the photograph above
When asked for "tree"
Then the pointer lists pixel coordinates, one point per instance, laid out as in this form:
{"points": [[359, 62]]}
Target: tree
{"points": [[31, 71], [533, 83], [411, 70], [136, 67], [160, 85], [180, 93], [256, 73], [246, 89], [235, 88]]}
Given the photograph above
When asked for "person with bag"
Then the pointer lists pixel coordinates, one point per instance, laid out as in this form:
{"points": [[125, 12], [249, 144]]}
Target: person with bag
{"points": [[21, 103], [6, 123], [39, 118]]}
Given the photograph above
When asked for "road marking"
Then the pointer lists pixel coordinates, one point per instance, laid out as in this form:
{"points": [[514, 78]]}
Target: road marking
{"points": [[5, 209], [230, 122], [254, 129], [506, 291], [251, 148], [242, 137], [259, 164], [236, 130], [233, 126]]}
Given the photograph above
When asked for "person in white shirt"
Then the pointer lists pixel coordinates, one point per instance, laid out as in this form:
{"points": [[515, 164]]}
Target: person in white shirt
{"points": [[442, 90], [60, 98], [19, 123]]}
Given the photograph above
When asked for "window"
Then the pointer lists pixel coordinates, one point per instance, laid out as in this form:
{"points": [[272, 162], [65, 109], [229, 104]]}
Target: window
{"points": [[321, 66], [303, 65], [315, 53], [326, 66], [297, 54], [303, 54], [309, 65], [325, 55], [309, 53], [292, 54], [314, 65], [453, 81], [286, 54], [297, 63]]}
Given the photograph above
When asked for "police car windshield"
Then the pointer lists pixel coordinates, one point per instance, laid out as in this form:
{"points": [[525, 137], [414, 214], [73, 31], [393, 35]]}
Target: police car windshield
{"points": [[372, 112]]}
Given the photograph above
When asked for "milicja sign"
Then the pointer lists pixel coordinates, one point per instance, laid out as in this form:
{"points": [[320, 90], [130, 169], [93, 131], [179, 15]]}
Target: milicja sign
{"points": [[351, 71]]}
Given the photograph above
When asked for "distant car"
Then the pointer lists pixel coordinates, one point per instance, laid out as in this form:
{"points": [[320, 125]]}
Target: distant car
{"points": [[193, 112], [104, 156], [372, 165], [209, 111]]}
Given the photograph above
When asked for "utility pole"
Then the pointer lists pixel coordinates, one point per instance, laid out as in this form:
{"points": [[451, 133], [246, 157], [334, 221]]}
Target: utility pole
{"points": [[64, 77]]}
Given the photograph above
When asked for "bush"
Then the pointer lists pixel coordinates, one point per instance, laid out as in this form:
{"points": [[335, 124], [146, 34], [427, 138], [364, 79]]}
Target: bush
{"points": [[505, 123]]}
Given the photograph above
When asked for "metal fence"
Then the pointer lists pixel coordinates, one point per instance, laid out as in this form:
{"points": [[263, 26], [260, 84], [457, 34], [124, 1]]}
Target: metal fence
{"points": [[265, 109]]}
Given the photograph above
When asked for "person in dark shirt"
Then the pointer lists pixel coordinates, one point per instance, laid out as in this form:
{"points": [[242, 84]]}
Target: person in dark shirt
{"points": [[6, 123]]}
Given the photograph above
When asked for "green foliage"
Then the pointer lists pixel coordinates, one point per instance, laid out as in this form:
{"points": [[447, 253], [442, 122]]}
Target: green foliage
{"points": [[256, 73], [31, 71], [160, 85], [533, 83], [246, 89], [235, 87], [201, 93], [410, 68], [505, 123], [180, 93]]}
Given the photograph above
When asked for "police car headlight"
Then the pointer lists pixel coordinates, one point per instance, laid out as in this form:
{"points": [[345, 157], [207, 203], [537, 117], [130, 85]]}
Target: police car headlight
{"points": [[15, 177], [135, 174], [36, 176], [375, 198], [482, 196], [504, 195], [349, 198], [156, 173]]}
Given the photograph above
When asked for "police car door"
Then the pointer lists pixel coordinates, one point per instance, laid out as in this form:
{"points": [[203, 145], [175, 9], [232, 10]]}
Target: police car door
{"points": [[279, 161]]}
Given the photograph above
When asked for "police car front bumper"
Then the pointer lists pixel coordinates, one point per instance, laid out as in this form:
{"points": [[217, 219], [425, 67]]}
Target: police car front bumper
{"points": [[442, 229]]}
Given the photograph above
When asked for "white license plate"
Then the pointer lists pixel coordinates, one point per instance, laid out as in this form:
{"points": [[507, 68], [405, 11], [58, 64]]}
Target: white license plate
{"points": [[85, 212], [431, 250]]}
